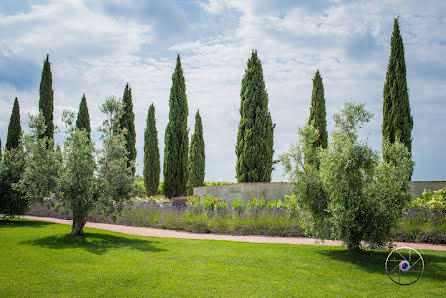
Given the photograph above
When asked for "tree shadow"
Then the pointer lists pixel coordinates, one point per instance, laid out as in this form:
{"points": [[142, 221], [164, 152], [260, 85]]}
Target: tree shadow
{"points": [[22, 223], [373, 261], [96, 243]]}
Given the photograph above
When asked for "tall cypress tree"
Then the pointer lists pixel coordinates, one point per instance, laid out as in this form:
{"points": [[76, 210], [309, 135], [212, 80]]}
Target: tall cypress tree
{"points": [[11, 201], [46, 101], [83, 117], [1, 150], [317, 111], [196, 155], [127, 121], [176, 138], [255, 142], [397, 120], [14, 128], [151, 154]]}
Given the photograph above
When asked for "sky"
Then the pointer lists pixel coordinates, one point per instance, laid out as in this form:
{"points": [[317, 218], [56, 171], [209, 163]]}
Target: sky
{"points": [[97, 46]]}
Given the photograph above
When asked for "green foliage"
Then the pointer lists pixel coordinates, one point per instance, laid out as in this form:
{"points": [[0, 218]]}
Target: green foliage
{"points": [[275, 205], [418, 225], [255, 204], [206, 203], [14, 128], [292, 205], [301, 164], [194, 202], [83, 117], [353, 196], [151, 154], [42, 164], [161, 188], [217, 183], [46, 99], [176, 138], [127, 124], [76, 182], [220, 205], [237, 206], [115, 177], [72, 174], [254, 148], [1, 150], [12, 202], [139, 190], [317, 111], [196, 156], [430, 201], [397, 120]]}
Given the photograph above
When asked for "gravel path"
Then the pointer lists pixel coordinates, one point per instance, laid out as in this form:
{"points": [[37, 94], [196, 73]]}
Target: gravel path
{"points": [[143, 231]]}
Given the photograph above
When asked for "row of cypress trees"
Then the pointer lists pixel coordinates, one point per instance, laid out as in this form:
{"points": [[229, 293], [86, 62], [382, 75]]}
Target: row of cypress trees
{"points": [[184, 165]]}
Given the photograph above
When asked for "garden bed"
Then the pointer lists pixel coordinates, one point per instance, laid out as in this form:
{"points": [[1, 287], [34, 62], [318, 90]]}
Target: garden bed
{"points": [[415, 226]]}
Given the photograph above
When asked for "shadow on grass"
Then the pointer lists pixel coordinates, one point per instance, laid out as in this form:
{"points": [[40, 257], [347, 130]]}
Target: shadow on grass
{"points": [[374, 261], [96, 243], [22, 223]]}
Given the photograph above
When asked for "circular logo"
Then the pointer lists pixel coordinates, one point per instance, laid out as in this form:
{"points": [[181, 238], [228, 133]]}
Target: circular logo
{"points": [[404, 265]]}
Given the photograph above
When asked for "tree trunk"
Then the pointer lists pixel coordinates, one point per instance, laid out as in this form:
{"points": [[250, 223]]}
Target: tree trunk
{"points": [[353, 243], [79, 220]]}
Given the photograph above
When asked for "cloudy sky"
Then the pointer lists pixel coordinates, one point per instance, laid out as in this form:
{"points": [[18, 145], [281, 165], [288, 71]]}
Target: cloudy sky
{"points": [[97, 46]]}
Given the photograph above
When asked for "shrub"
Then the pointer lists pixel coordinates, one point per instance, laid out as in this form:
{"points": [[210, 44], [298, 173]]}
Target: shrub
{"points": [[217, 183], [194, 203], [237, 206], [430, 201], [138, 189], [275, 204], [220, 205], [292, 206], [353, 196], [161, 188], [255, 204]]}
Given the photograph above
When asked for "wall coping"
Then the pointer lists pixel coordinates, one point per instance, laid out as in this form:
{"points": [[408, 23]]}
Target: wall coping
{"points": [[424, 181], [243, 183]]}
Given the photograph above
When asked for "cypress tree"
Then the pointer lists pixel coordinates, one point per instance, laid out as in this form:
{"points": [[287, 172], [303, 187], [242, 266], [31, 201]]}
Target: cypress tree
{"points": [[46, 101], [11, 201], [176, 138], [254, 148], [127, 121], [397, 120], [317, 111], [1, 150], [151, 154], [83, 117], [14, 128], [196, 155]]}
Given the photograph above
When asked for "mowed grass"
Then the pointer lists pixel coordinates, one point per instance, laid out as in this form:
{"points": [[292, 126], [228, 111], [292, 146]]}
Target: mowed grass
{"points": [[41, 259]]}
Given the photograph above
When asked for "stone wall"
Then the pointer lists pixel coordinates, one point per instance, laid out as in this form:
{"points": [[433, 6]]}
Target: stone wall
{"points": [[274, 190], [245, 191], [417, 187]]}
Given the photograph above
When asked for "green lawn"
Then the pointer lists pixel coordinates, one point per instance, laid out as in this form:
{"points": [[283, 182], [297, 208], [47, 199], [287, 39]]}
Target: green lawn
{"points": [[41, 259]]}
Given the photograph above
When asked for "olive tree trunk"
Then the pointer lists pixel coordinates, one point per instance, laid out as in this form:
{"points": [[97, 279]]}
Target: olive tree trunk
{"points": [[354, 243], [79, 220]]}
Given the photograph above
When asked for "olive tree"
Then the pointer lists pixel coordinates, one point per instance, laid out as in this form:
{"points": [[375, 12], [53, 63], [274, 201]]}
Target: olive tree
{"points": [[77, 181], [42, 163], [354, 195]]}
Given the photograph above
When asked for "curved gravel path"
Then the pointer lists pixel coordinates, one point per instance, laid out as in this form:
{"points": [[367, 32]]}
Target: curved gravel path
{"points": [[143, 231]]}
